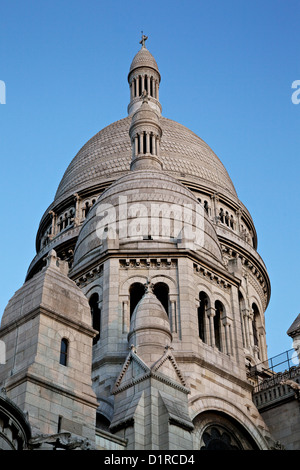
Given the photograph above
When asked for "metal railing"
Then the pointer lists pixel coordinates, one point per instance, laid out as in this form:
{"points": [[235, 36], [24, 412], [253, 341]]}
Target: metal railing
{"points": [[276, 370], [281, 362]]}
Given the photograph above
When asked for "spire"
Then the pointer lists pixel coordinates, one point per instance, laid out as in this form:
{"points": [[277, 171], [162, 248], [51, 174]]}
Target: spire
{"points": [[144, 76]]}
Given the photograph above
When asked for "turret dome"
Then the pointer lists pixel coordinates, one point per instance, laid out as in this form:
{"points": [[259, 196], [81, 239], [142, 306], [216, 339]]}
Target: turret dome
{"points": [[143, 58]]}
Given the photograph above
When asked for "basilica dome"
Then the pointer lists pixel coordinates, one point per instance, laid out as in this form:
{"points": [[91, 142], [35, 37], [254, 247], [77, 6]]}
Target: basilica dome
{"points": [[139, 208], [187, 171], [107, 156]]}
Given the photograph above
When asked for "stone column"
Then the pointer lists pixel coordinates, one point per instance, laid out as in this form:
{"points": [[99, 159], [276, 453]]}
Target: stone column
{"points": [[132, 90], [153, 144], [147, 143], [245, 317], [227, 343], [210, 315], [153, 87], [143, 83], [53, 229], [125, 315], [173, 319], [141, 137]]}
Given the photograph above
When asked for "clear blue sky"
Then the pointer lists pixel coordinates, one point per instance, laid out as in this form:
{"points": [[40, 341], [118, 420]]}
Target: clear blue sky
{"points": [[227, 68]]}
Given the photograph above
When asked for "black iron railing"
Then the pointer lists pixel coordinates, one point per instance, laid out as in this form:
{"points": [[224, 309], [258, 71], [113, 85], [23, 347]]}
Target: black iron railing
{"points": [[275, 372]]}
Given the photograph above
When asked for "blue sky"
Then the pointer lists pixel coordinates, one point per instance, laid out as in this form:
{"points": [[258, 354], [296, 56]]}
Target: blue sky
{"points": [[227, 69]]}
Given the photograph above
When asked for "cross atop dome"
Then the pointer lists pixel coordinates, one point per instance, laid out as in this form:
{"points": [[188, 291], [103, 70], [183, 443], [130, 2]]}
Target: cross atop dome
{"points": [[144, 38]]}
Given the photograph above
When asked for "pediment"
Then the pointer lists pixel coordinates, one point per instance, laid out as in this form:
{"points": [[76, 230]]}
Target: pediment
{"points": [[134, 370], [167, 366]]}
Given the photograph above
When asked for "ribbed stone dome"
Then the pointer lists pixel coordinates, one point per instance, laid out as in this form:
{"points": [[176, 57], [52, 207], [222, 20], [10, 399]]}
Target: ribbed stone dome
{"points": [[107, 156], [143, 59], [134, 199]]}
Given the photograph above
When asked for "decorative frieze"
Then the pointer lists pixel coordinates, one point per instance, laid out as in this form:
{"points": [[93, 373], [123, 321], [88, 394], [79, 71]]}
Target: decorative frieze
{"points": [[89, 276], [213, 277], [156, 263]]}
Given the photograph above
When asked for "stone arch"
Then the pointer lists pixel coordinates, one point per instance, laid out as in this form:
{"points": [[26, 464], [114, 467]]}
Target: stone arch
{"points": [[201, 404], [63, 333], [94, 289], [124, 288], [173, 301], [136, 292], [162, 291], [202, 313], [201, 286], [71, 337], [257, 301], [171, 283], [219, 296]]}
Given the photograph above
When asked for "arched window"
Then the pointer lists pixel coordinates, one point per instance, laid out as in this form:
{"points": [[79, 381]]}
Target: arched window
{"points": [[202, 316], [136, 292], [255, 323], [206, 206], [86, 208], [61, 224], [242, 308], [221, 215], [96, 315], [161, 290], [219, 309], [64, 347]]}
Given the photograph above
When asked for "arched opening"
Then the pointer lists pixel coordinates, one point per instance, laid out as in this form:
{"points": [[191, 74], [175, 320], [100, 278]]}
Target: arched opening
{"points": [[242, 308], [206, 208], [136, 292], [86, 208], [102, 422], [161, 290], [64, 349], [220, 431], [219, 309], [221, 215], [96, 315], [255, 323], [202, 309]]}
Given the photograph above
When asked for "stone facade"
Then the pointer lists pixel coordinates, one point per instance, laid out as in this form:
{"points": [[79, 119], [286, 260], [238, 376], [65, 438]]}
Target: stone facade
{"points": [[156, 286]]}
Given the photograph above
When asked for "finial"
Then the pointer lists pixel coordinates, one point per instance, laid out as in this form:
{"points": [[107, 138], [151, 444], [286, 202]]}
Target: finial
{"points": [[144, 38], [148, 287]]}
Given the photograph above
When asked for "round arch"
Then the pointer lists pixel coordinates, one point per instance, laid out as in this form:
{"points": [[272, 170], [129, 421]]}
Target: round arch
{"points": [[203, 404]]}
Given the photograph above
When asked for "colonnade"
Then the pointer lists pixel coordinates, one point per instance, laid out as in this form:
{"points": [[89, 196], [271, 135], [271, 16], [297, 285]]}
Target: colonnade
{"points": [[144, 83]]}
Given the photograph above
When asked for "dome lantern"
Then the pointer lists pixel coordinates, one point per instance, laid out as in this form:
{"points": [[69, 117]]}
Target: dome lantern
{"points": [[144, 76]]}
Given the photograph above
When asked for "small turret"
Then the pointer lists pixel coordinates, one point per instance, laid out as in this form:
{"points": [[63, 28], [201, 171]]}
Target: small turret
{"points": [[150, 328], [144, 76]]}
